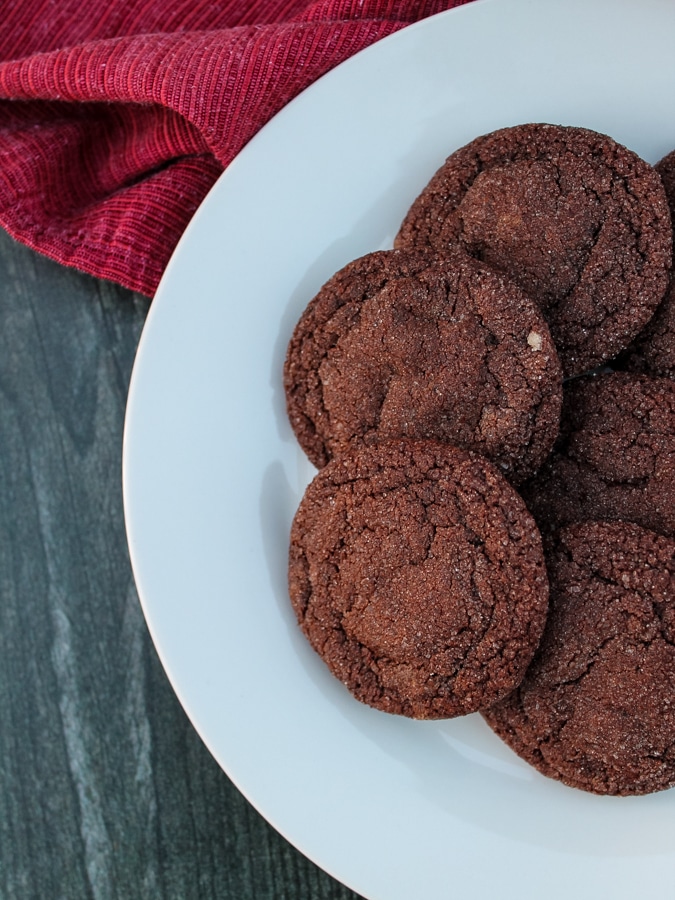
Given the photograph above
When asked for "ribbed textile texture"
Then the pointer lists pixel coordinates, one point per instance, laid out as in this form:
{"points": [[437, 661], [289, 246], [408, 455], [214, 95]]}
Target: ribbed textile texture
{"points": [[115, 120]]}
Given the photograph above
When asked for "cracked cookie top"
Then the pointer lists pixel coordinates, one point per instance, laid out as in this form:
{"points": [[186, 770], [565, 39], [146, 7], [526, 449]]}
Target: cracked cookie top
{"points": [[417, 574], [653, 351], [596, 709], [417, 345], [615, 457], [578, 221]]}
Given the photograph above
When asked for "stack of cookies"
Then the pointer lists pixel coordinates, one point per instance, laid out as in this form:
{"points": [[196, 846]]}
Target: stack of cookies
{"points": [[491, 407]]}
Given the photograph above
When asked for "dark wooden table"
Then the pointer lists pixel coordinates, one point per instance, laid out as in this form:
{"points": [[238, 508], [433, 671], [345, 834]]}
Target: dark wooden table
{"points": [[106, 791]]}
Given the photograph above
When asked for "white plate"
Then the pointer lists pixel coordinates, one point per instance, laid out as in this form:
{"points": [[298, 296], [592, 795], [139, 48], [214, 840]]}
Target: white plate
{"points": [[396, 809]]}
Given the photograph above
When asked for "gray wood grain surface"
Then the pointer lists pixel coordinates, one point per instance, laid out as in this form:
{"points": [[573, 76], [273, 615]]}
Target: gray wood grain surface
{"points": [[105, 789]]}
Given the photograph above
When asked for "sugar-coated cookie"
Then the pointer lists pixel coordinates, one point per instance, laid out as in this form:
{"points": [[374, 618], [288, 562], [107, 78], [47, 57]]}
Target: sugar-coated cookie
{"points": [[580, 222], [596, 709], [417, 574], [403, 344]]}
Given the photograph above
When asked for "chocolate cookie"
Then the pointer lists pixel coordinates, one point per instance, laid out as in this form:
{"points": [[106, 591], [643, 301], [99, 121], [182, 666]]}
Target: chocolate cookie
{"points": [[596, 709], [403, 344], [615, 458], [578, 221], [417, 574], [653, 351]]}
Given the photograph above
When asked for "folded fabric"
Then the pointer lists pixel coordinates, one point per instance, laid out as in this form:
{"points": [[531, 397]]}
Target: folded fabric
{"points": [[115, 121]]}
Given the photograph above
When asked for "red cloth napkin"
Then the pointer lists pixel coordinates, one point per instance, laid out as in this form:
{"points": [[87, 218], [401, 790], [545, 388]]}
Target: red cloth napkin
{"points": [[116, 119]]}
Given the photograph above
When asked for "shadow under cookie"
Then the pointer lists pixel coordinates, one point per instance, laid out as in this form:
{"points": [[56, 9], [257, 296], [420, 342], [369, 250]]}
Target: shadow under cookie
{"points": [[614, 458]]}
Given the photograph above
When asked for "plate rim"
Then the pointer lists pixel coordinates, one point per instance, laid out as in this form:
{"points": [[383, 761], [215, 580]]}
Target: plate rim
{"points": [[147, 335]]}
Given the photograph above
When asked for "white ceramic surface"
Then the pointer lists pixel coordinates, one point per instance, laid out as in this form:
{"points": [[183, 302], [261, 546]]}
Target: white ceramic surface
{"points": [[396, 809]]}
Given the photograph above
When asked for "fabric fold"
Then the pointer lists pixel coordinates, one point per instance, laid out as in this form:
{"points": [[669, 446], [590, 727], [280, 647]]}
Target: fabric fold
{"points": [[113, 128]]}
